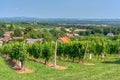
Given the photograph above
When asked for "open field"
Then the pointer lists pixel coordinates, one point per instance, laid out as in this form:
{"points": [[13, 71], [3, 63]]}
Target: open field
{"points": [[109, 70]]}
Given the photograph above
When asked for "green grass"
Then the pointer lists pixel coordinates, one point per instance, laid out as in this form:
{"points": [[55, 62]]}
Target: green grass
{"points": [[100, 71]]}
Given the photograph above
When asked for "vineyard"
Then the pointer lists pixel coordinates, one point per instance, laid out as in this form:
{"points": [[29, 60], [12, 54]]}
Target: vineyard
{"points": [[75, 51], [74, 55]]}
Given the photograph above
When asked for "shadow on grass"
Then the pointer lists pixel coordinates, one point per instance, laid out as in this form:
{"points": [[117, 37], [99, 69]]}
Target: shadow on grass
{"points": [[112, 61]]}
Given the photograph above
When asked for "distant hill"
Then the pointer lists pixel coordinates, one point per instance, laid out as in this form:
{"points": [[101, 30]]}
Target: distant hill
{"points": [[61, 20]]}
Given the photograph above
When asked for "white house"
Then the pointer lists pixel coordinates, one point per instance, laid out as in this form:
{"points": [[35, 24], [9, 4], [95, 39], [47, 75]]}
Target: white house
{"points": [[1, 42], [110, 34]]}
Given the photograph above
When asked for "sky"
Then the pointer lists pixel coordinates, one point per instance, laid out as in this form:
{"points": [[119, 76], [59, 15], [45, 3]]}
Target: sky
{"points": [[60, 8]]}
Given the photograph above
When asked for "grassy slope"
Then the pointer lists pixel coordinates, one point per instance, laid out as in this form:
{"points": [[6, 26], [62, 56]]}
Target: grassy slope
{"points": [[100, 71]]}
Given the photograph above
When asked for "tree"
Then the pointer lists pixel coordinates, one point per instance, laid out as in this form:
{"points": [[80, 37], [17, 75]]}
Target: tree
{"points": [[2, 31], [32, 34], [11, 27], [17, 32], [3, 26], [57, 33], [28, 29], [47, 36]]}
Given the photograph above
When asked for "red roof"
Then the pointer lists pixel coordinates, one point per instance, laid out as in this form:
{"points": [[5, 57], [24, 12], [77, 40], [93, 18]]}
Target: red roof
{"points": [[65, 39], [70, 35], [8, 33], [6, 38]]}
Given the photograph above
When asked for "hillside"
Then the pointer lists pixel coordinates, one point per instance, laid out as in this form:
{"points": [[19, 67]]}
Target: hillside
{"points": [[99, 71]]}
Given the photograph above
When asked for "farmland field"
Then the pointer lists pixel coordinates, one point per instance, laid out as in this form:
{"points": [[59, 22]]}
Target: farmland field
{"points": [[102, 70]]}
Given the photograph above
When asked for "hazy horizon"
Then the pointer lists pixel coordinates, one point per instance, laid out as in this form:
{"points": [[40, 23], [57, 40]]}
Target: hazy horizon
{"points": [[59, 18]]}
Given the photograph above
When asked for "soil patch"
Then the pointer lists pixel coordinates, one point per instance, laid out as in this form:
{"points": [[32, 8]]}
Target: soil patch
{"points": [[25, 70], [49, 64], [57, 66], [88, 64], [13, 64]]}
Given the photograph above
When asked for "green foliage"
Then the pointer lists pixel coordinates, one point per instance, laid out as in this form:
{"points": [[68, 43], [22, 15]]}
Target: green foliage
{"points": [[35, 50], [2, 31], [11, 27], [71, 50], [60, 50], [47, 36], [16, 50], [74, 50], [47, 51], [32, 34], [17, 32], [7, 49], [57, 33], [3, 26], [19, 51], [41, 50]]}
